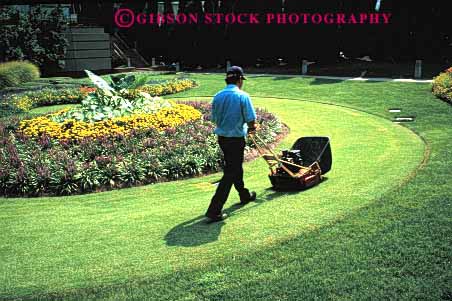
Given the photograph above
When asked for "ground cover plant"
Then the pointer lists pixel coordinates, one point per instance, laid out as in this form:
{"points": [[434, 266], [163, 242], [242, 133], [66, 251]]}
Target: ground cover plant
{"points": [[377, 228]]}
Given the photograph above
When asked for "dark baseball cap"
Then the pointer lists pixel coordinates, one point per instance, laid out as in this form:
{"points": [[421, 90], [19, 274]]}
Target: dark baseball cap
{"points": [[235, 71]]}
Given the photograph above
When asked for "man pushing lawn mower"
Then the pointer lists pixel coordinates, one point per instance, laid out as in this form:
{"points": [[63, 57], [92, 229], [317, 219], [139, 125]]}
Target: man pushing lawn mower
{"points": [[234, 115], [300, 168]]}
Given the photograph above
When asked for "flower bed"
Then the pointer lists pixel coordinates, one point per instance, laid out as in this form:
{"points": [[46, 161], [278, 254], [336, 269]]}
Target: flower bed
{"points": [[46, 97], [442, 85], [35, 165], [269, 126], [19, 103], [73, 129], [170, 87]]}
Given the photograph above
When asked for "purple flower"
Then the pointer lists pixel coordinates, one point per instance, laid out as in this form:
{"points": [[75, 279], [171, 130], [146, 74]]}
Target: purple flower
{"points": [[70, 168], [43, 171], [65, 144], [44, 141], [170, 131], [21, 136], [103, 160], [13, 155], [21, 174], [149, 143]]}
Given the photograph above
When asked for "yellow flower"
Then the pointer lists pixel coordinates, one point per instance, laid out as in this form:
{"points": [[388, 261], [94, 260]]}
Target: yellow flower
{"points": [[177, 115]]}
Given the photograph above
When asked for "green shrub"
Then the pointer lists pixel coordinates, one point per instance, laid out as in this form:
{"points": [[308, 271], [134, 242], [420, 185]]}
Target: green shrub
{"points": [[442, 85], [17, 72]]}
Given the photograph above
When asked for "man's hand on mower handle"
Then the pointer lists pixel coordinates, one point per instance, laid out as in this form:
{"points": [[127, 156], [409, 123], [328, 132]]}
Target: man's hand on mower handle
{"points": [[252, 128]]}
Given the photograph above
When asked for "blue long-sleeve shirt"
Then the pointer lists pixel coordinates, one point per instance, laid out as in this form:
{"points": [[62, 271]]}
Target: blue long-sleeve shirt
{"points": [[232, 109]]}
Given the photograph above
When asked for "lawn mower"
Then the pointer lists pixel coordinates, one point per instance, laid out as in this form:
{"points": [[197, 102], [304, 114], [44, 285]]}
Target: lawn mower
{"points": [[299, 168]]}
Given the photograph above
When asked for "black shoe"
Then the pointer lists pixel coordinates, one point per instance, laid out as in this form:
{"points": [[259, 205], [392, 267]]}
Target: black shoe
{"points": [[250, 199], [216, 218]]}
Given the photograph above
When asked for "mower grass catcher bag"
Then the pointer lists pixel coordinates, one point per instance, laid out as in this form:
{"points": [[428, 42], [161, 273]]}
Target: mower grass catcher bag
{"points": [[301, 167]]}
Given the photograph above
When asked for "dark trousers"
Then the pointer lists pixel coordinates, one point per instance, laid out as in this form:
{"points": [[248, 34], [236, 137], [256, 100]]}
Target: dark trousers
{"points": [[233, 149]]}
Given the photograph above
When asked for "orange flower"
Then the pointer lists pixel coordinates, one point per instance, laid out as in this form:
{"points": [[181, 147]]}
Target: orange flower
{"points": [[86, 90]]}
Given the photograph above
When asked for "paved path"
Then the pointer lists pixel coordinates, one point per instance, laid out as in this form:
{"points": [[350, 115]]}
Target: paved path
{"points": [[377, 79]]}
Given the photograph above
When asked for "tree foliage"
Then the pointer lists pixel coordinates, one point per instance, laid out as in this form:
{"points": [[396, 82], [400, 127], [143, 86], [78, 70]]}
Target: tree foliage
{"points": [[35, 36]]}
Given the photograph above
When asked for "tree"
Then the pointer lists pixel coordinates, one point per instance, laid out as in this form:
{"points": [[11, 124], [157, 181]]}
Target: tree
{"points": [[37, 37]]}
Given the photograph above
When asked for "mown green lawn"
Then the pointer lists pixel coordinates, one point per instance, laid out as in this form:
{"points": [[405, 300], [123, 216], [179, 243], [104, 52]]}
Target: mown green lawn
{"points": [[379, 226]]}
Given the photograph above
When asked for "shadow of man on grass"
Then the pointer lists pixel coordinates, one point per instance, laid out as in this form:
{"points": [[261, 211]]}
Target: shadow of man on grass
{"points": [[196, 232]]}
